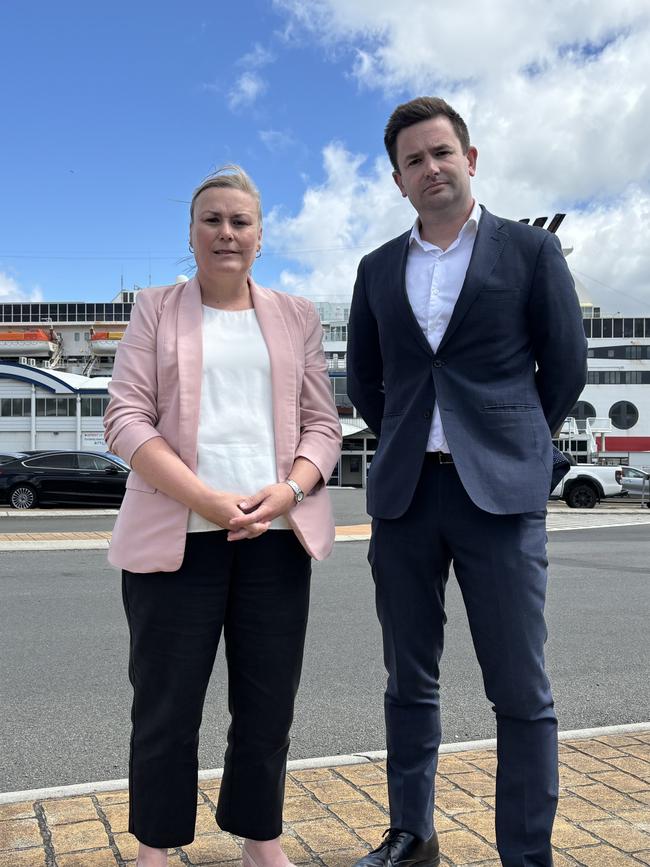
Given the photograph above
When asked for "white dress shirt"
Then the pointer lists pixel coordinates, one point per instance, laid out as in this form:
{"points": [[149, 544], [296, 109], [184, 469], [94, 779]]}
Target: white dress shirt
{"points": [[434, 278]]}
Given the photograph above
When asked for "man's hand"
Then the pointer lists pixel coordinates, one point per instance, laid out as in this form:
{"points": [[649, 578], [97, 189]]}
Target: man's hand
{"points": [[223, 507], [261, 508]]}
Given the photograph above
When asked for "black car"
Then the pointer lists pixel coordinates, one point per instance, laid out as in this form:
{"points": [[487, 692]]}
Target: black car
{"points": [[63, 478]]}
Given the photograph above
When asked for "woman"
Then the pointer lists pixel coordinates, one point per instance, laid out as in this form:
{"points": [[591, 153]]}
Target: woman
{"points": [[221, 403]]}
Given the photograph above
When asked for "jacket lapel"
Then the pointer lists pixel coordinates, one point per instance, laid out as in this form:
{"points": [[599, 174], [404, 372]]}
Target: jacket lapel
{"points": [[282, 353], [490, 240], [189, 348], [402, 304]]}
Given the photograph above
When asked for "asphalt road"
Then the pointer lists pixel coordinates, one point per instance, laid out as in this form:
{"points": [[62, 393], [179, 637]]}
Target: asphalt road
{"points": [[349, 507], [65, 696]]}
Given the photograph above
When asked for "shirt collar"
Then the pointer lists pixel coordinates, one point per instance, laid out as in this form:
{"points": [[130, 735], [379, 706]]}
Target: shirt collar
{"points": [[470, 226]]}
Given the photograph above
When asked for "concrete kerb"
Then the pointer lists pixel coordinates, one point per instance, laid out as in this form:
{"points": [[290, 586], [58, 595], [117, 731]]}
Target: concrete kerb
{"points": [[308, 764]]}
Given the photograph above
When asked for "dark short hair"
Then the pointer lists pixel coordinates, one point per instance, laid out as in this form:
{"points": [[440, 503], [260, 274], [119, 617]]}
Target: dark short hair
{"points": [[417, 110]]}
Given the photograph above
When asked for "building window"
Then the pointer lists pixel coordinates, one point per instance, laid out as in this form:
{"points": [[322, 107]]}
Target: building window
{"points": [[56, 407], [624, 415], [77, 337], [338, 332], [15, 407], [94, 406], [340, 389]]}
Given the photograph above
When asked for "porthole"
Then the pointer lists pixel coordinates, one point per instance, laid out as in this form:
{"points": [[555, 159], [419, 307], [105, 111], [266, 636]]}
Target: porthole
{"points": [[624, 415], [583, 410]]}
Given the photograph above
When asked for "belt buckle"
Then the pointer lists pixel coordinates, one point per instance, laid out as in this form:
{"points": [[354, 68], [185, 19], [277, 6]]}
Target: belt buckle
{"points": [[445, 458]]}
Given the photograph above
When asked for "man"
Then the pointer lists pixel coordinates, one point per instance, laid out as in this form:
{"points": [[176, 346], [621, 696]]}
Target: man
{"points": [[466, 350]]}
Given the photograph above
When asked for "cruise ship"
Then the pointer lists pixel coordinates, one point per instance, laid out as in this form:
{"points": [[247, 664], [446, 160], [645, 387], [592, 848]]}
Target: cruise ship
{"points": [[611, 421]]}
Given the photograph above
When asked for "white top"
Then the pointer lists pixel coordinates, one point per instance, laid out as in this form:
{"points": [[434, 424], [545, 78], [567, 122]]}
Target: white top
{"points": [[434, 278], [236, 440]]}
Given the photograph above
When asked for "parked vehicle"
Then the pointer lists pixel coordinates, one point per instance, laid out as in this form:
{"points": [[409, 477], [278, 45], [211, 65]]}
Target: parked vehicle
{"points": [[585, 485], [636, 483], [63, 478]]}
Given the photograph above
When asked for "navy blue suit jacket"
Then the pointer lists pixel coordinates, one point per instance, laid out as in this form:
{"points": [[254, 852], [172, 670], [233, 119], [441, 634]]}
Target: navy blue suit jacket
{"points": [[508, 370]]}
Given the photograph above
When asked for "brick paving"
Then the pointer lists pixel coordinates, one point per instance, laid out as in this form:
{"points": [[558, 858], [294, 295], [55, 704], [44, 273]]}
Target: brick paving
{"points": [[334, 815]]}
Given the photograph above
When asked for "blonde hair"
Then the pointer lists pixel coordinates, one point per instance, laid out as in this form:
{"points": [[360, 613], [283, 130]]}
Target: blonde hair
{"points": [[232, 176]]}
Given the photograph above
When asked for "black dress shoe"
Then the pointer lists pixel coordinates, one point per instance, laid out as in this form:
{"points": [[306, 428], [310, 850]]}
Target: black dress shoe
{"points": [[404, 849]]}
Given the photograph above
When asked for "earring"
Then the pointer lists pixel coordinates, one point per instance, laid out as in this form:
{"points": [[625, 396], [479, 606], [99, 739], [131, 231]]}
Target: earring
{"points": [[190, 248], [259, 253]]}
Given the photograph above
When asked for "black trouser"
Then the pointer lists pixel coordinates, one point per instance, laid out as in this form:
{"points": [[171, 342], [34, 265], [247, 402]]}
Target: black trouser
{"points": [[257, 590], [500, 564]]}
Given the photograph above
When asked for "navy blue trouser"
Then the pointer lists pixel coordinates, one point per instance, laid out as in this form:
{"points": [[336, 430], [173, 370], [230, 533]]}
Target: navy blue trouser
{"points": [[500, 564], [257, 591]]}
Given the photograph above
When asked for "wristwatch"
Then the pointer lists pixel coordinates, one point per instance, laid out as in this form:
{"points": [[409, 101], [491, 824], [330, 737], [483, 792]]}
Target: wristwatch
{"points": [[298, 493]]}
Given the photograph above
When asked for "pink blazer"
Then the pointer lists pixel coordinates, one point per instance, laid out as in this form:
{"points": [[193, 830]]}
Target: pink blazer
{"points": [[156, 391]]}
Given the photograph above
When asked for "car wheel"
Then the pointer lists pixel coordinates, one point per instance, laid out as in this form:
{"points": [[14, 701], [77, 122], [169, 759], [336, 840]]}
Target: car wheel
{"points": [[581, 497], [23, 497]]}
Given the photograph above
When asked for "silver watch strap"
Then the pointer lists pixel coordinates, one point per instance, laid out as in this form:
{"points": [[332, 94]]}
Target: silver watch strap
{"points": [[298, 493]]}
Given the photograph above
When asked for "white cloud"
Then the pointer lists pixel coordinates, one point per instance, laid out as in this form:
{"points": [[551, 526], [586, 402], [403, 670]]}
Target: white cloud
{"points": [[348, 215], [276, 140], [610, 252], [250, 85], [425, 43], [556, 100], [10, 290], [358, 207], [257, 57], [246, 89]]}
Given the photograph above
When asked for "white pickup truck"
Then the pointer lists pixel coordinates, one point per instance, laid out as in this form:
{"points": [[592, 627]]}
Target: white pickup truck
{"points": [[586, 484]]}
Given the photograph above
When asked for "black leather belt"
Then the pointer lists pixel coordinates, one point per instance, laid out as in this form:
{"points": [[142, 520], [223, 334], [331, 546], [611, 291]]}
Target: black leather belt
{"points": [[440, 457]]}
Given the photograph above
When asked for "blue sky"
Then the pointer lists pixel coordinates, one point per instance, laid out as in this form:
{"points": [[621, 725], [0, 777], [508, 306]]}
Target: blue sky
{"points": [[113, 113], [117, 111]]}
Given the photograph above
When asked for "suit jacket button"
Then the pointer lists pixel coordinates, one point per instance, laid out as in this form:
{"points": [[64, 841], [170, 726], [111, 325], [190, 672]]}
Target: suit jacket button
{"points": [[438, 363], [427, 413]]}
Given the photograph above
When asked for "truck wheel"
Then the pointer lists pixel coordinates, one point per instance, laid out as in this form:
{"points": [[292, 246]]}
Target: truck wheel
{"points": [[581, 497], [23, 497]]}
